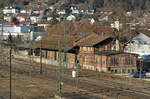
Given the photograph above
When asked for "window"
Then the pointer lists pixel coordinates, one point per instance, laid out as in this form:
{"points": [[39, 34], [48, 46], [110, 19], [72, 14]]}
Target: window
{"points": [[88, 48], [46, 55], [55, 56], [111, 47], [128, 70], [84, 48], [128, 60], [103, 62], [91, 49], [109, 68], [115, 70], [123, 70], [114, 61], [37, 52], [81, 49]]}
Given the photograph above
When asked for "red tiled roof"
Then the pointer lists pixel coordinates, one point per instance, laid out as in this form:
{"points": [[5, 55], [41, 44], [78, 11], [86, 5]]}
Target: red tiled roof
{"points": [[22, 14], [34, 14], [9, 23]]}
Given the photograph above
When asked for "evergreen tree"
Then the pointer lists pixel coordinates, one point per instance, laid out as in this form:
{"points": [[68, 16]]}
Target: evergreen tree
{"points": [[15, 20], [54, 18]]}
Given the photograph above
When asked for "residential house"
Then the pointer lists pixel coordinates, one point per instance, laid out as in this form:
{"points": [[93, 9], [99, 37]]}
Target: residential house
{"points": [[8, 17], [117, 25], [140, 45], [61, 10], [43, 23], [92, 21], [74, 10], [12, 10], [129, 14], [36, 11], [35, 17], [14, 31], [23, 11], [71, 18], [37, 32], [90, 10], [49, 18], [21, 17]]}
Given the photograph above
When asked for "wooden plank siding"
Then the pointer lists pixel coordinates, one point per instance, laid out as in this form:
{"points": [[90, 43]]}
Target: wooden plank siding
{"points": [[110, 46], [115, 62], [52, 57]]}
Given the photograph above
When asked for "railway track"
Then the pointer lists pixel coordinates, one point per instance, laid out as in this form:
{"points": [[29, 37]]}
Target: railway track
{"points": [[101, 88], [121, 88]]}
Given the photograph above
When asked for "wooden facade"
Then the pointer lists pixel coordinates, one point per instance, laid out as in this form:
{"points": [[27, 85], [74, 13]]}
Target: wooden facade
{"points": [[51, 57], [107, 57], [97, 51]]}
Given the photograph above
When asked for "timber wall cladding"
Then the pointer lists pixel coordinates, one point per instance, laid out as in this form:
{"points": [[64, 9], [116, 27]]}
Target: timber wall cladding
{"points": [[102, 62], [122, 60], [51, 57]]}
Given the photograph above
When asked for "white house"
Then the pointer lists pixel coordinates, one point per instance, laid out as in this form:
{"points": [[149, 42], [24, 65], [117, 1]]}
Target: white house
{"points": [[36, 11], [9, 10], [139, 45], [61, 12], [14, 30], [75, 10], [35, 18], [82, 11], [49, 18], [23, 11], [116, 25], [128, 13], [8, 17], [92, 21], [71, 18], [51, 8]]}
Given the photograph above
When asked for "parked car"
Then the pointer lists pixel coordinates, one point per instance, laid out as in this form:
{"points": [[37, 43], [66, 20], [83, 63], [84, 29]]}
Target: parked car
{"points": [[137, 74]]}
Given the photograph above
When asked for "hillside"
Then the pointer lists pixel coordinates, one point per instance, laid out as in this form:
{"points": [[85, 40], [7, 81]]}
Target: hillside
{"points": [[124, 4]]}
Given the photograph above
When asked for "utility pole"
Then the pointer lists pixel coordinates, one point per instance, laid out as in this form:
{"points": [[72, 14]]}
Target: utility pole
{"points": [[76, 65], [65, 50], [41, 71], [30, 56], [59, 82], [1, 46], [10, 65], [67, 11], [141, 68], [10, 61], [10, 57]]}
